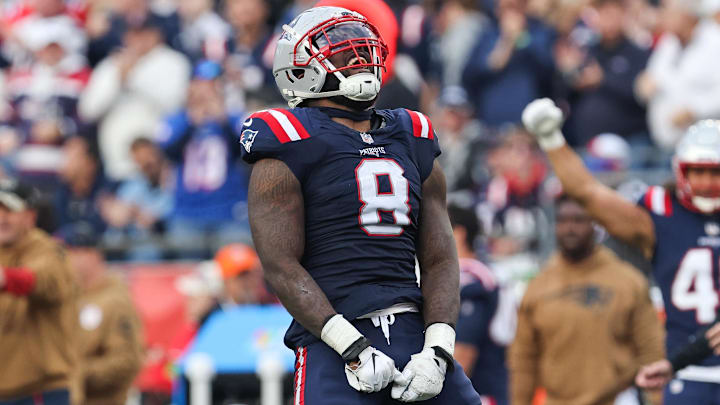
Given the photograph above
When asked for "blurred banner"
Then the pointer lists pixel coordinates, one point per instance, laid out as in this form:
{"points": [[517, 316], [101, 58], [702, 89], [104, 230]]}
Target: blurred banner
{"points": [[165, 325]]}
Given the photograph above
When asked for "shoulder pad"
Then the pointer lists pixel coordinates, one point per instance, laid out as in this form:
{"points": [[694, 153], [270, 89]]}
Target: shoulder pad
{"points": [[282, 123], [658, 201], [421, 125]]}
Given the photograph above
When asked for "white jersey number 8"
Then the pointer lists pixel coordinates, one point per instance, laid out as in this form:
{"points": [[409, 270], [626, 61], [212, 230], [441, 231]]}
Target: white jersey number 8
{"points": [[693, 287], [367, 174]]}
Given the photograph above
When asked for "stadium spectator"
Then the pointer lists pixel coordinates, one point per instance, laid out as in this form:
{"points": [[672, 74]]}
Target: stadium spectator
{"points": [[109, 22], [586, 323], [27, 25], [484, 326], [203, 33], [137, 212], [82, 187], [458, 25], [202, 140], [242, 275], [251, 48], [598, 78], [682, 81], [38, 306], [511, 210], [42, 99], [512, 61], [464, 142], [132, 90], [110, 340]]}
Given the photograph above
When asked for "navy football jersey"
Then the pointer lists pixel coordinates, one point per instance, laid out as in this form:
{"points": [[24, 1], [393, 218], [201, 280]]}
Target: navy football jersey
{"points": [[488, 324], [362, 195], [685, 266]]}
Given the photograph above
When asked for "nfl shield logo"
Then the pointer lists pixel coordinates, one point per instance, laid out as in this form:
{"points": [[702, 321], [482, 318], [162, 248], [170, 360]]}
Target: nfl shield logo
{"points": [[247, 138], [712, 229], [367, 138]]}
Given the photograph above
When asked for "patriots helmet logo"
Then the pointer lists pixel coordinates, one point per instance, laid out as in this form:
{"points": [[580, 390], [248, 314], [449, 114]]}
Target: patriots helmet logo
{"points": [[247, 138]]}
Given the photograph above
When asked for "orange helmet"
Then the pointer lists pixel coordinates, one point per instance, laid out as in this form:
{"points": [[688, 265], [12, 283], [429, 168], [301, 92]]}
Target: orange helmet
{"points": [[236, 258]]}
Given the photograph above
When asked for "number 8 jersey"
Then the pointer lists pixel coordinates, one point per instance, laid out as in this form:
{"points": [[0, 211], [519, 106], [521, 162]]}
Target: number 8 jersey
{"points": [[362, 195], [685, 267]]}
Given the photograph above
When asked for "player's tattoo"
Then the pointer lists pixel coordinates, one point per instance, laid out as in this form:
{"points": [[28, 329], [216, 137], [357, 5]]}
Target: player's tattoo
{"points": [[277, 220], [437, 254]]}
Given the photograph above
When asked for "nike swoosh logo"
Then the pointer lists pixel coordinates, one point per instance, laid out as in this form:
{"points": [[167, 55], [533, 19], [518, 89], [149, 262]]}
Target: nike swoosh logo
{"points": [[373, 359], [248, 122]]}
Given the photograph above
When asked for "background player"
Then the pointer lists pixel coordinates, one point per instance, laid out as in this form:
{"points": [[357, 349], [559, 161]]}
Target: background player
{"points": [[676, 227], [336, 215], [486, 323], [659, 373]]}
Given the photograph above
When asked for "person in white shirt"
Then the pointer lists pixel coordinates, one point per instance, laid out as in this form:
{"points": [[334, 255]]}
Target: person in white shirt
{"points": [[682, 81], [131, 91]]}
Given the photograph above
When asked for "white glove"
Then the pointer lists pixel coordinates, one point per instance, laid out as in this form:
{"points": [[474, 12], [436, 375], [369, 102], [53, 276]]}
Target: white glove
{"points": [[422, 377], [543, 119], [424, 374], [374, 372], [374, 369]]}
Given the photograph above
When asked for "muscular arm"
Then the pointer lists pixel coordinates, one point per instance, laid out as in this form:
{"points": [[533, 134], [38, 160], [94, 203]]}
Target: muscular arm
{"points": [[439, 269], [621, 218], [277, 220]]}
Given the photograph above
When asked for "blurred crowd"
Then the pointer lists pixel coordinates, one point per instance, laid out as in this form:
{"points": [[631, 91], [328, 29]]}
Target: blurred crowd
{"points": [[126, 113]]}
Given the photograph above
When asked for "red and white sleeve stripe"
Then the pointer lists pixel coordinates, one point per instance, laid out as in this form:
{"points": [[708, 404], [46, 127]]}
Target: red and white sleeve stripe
{"points": [[658, 201], [422, 127], [285, 125]]}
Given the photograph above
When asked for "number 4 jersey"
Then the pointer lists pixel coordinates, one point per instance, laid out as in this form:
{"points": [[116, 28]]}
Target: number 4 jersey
{"points": [[362, 196], [685, 266]]}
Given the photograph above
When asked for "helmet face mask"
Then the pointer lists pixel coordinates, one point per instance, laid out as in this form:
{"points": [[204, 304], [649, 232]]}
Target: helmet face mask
{"points": [[317, 36], [348, 35], [698, 149]]}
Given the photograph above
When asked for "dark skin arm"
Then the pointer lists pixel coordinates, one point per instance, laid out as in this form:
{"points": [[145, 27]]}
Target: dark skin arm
{"points": [[439, 268], [277, 221]]}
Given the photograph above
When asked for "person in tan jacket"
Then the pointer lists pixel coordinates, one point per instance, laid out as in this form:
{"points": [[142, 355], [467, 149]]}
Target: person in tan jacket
{"points": [[586, 323], [110, 338], [38, 352]]}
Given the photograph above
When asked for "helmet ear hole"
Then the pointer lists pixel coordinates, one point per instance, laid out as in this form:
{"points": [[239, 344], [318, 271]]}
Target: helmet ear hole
{"points": [[298, 73]]}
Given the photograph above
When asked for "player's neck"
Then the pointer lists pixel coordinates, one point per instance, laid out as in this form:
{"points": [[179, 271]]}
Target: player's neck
{"points": [[360, 126]]}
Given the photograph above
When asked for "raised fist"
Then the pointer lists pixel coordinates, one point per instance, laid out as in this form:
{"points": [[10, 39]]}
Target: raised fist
{"points": [[543, 119]]}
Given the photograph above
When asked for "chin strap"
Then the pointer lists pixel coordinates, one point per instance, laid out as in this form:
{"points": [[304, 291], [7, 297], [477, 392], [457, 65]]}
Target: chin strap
{"points": [[706, 205], [358, 87]]}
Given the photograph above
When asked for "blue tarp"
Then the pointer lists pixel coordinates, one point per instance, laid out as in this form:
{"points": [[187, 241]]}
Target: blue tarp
{"points": [[235, 337]]}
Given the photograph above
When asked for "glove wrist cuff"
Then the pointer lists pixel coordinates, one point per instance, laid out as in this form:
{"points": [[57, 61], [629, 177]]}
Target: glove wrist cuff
{"points": [[340, 334], [440, 335], [553, 141]]}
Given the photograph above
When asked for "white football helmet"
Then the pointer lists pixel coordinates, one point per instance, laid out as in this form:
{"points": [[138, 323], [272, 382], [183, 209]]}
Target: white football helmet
{"points": [[302, 57], [699, 147]]}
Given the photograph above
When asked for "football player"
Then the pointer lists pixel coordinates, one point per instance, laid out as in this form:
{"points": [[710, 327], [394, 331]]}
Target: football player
{"points": [[342, 199], [659, 373], [677, 227]]}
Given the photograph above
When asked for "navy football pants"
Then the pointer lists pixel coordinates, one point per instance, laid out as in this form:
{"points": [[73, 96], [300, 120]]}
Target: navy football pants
{"points": [[684, 392], [320, 371]]}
